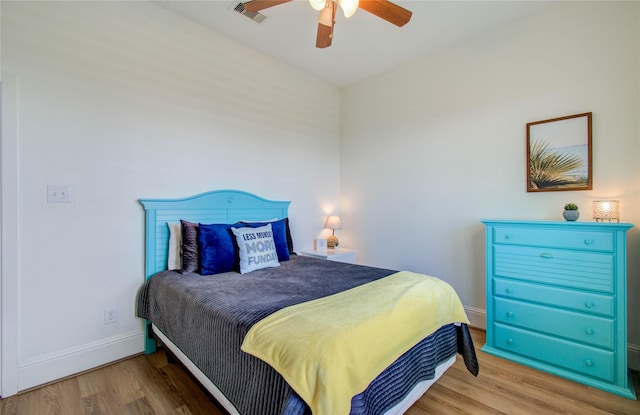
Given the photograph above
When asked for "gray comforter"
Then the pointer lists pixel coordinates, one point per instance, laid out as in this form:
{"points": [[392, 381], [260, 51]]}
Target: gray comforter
{"points": [[207, 317]]}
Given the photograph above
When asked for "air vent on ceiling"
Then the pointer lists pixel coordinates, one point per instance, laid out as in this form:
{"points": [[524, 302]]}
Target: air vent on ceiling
{"points": [[238, 7]]}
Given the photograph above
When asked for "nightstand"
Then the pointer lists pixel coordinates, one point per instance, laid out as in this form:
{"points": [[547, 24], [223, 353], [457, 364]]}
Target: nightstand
{"points": [[338, 255]]}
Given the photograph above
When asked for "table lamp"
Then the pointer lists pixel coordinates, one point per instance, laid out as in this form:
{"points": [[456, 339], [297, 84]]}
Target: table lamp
{"points": [[606, 210]]}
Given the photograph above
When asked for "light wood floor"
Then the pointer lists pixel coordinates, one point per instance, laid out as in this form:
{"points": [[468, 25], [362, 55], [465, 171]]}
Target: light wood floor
{"points": [[149, 385]]}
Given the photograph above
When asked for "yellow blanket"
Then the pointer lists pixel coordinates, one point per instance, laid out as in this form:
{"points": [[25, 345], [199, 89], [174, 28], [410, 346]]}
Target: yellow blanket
{"points": [[330, 349]]}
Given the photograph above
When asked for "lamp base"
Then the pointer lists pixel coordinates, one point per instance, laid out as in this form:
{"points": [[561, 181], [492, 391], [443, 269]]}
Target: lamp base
{"points": [[332, 241]]}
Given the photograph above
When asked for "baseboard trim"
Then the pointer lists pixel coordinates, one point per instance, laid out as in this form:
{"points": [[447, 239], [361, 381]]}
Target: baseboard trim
{"points": [[477, 317], [55, 366]]}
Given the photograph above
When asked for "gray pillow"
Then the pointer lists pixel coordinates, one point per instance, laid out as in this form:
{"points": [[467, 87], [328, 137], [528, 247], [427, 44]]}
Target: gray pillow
{"points": [[189, 246]]}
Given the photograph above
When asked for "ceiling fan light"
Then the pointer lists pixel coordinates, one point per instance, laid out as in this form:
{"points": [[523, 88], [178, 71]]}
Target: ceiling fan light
{"points": [[349, 7], [318, 4]]}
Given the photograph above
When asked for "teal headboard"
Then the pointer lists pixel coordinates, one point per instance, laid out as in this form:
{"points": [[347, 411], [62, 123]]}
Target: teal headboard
{"points": [[219, 206]]}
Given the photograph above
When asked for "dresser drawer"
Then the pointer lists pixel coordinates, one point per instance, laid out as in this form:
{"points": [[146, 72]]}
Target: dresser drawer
{"points": [[585, 360], [583, 240], [582, 301], [591, 330], [574, 269]]}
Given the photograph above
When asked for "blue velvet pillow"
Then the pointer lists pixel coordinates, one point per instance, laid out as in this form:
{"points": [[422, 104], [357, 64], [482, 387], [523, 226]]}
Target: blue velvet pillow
{"points": [[279, 230], [217, 249]]}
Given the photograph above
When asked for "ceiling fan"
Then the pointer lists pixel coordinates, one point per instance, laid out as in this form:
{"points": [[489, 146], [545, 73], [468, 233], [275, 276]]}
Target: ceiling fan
{"points": [[384, 9]]}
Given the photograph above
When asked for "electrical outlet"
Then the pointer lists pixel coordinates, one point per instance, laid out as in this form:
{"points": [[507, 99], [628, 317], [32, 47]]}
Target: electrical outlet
{"points": [[110, 315]]}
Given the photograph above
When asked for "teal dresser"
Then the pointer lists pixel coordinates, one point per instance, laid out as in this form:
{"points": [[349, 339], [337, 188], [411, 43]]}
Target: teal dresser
{"points": [[557, 299]]}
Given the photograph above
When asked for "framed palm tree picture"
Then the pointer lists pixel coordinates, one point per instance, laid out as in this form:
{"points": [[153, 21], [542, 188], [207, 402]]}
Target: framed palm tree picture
{"points": [[559, 154]]}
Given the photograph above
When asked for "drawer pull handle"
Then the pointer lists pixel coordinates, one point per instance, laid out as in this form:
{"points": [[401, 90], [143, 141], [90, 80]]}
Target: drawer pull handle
{"points": [[588, 362], [509, 290], [510, 314], [546, 255], [509, 341], [588, 330], [588, 304], [507, 236], [588, 241]]}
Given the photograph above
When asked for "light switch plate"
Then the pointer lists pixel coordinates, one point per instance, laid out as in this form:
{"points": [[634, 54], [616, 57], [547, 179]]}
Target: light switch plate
{"points": [[58, 194]]}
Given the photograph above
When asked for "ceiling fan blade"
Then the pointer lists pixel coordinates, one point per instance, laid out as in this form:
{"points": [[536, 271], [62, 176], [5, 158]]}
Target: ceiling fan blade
{"points": [[388, 11], [325, 32], [257, 5]]}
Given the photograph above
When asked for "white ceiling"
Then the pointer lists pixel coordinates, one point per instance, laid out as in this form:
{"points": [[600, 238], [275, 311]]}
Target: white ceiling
{"points": [[363, 45]]}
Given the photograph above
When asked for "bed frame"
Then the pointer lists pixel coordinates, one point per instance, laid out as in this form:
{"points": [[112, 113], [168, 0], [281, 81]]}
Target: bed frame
{"points": [[219, 206]]}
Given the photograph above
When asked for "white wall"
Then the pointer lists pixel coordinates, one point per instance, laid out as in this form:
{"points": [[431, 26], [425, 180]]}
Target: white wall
{"points": [[430, 149], [121, 101]]}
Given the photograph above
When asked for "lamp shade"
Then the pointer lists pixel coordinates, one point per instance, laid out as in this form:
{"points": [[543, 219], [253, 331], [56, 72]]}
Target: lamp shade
{"points": [[606, 210], [333, 222]]}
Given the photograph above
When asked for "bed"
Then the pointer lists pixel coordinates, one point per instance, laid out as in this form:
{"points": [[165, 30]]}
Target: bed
{"points": [[208, 320]]}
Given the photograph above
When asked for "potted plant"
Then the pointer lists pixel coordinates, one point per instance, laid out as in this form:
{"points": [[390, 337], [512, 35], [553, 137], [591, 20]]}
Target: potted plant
{"points": [[570, 212]]}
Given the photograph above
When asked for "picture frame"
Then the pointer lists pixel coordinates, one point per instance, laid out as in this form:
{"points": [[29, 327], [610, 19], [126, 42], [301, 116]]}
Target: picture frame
{"points": [[559, 154]]}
